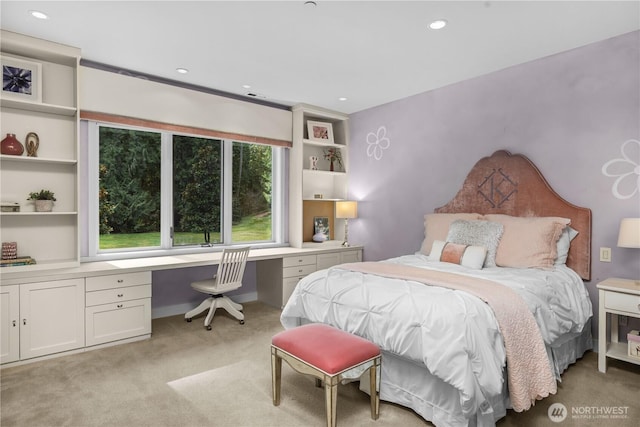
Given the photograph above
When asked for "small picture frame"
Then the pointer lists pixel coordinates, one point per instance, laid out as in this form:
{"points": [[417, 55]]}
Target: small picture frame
{"points": [[21, 79], [321, 226], [320, 131]]}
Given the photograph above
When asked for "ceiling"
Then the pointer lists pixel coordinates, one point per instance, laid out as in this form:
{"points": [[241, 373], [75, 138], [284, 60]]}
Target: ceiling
{"points": [[370, 52]]}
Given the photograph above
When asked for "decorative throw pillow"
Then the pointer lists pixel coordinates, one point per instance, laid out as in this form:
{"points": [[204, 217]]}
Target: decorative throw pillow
{"points": [[436, 227], [564, 243], [477, 233], [465, 255], [528, 242]]}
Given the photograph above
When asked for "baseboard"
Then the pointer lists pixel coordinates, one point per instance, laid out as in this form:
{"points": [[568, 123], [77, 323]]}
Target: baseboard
{"points": [[173, 310]]}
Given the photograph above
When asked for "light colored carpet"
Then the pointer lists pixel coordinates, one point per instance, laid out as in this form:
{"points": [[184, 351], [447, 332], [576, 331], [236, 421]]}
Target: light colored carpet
{"points": [[187, 376]]}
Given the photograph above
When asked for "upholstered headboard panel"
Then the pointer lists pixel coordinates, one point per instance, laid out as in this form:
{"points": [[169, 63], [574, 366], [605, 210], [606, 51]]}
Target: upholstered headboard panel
{"points": [[512, 185]]}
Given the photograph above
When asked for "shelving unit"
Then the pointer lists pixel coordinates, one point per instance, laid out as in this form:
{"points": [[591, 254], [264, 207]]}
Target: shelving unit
{"points": [[51, 238], [305, 184]]}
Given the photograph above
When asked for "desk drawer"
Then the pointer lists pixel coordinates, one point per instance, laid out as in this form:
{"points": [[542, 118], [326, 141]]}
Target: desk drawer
{"points": [[117, 280], [117, 295], [112, 322], [622, 302], [299, 260], [301, 270]]}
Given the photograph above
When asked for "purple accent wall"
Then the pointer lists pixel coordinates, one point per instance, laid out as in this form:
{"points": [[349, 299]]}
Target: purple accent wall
{"points": [[569, 113]]}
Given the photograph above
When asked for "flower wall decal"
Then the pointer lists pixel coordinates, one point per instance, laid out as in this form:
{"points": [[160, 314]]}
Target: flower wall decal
{"points": [[377, 142], [626, 170]]}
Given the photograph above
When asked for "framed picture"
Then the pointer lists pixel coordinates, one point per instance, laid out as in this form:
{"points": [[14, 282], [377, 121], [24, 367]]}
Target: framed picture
{"points": [[21, 79], [321, 226], [320, 131]]}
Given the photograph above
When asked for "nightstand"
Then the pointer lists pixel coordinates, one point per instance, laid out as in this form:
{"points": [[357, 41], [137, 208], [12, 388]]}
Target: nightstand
{"points": [[617, 297]]}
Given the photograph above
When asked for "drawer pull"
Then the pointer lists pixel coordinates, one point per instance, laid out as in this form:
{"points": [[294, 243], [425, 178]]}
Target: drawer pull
{"points": [[299, 271], [120, 295], [119, 306], [120, 280], [24, 322], [299, 260], [14, 323]]}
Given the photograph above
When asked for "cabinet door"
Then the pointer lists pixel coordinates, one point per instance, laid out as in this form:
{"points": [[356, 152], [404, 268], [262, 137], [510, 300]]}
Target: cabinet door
{"points": [[9, 323], [352, 256], [51, 317]]}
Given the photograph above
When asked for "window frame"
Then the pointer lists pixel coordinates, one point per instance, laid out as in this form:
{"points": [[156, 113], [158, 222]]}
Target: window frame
{"points": [[90, 234]]}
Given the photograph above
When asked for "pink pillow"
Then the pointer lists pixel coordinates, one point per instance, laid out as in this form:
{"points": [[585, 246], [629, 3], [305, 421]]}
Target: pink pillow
{"points": [[436, 227], [528, 242], [464, 255]]}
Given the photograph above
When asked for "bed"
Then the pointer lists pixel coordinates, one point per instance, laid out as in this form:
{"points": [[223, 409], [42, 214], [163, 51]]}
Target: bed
{"points": [[486, 315]]}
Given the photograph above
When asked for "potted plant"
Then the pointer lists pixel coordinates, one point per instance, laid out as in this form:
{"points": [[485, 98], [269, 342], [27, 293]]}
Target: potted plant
{"points": [[333, 155], [43, 199]]}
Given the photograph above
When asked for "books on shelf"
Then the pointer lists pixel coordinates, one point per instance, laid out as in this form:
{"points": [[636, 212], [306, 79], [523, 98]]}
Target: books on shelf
{"points": [[21, 260]]}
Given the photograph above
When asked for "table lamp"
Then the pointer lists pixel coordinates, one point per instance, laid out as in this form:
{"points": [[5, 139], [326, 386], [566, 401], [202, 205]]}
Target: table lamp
{"points": [[344, 210], [629, 236]]}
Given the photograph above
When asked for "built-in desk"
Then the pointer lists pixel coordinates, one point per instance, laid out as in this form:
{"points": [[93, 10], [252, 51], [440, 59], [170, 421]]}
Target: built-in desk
{"points": [[109, 302]]}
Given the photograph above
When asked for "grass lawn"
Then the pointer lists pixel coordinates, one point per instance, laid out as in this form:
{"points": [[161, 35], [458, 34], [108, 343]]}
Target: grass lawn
{"points": [[250, 229]]}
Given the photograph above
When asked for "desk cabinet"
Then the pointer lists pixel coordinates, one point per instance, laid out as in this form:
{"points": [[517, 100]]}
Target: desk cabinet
{"points": [[41, 318], [617, 297], [278, 278], [118, 307]]}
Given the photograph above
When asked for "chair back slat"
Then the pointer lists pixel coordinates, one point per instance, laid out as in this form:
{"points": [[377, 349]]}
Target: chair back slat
{"points": [[231, 268]]}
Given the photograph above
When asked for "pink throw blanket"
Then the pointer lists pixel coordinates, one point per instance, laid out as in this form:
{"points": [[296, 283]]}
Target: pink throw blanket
{"points": [[530, 377]]}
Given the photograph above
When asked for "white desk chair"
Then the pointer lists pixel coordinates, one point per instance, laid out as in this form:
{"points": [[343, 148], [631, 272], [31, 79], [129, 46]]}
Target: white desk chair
{"points": [[227, 278]]}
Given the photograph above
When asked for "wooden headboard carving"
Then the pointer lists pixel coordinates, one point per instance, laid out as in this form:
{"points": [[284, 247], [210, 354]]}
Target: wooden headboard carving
{"points": [[511, 184]]}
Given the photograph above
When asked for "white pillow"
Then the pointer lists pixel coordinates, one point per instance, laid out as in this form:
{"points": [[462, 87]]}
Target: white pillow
{"points": [[464, 255], [564, 242]]}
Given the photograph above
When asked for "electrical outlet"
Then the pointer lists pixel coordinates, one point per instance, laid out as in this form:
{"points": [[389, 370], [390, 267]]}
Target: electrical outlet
{"points": [[605, 254], [623, 320]]}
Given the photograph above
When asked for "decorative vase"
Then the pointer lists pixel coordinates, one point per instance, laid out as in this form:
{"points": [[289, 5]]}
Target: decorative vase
{"points": [[319, 238], [44, 205], [11, 146], [331, 166], [32, 141]]}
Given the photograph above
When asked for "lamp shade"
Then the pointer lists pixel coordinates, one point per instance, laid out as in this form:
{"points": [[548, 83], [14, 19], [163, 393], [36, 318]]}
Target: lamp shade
{"points": [[347, 209], [629, 236]]}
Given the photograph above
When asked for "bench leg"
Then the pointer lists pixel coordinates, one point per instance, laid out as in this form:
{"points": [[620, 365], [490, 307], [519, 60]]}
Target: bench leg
{"points": [[373, 389], [331, 397], [276, 375]]}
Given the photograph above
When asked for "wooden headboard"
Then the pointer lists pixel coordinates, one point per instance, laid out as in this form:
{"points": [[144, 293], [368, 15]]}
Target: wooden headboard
{"points": [[511, 184]]}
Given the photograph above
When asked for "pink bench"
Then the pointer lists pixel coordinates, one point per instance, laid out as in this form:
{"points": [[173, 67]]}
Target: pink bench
{"points": [[325, 353]]}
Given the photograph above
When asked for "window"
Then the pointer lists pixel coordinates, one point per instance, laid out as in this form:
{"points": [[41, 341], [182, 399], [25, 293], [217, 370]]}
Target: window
{"points": [[158, 191], [197, 191]]}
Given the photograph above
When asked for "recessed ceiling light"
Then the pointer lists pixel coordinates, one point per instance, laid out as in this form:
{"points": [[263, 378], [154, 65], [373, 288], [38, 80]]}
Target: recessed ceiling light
{"points": [[38, 14], [310, 3], [438, 24], [342, 98], [246, 86], [182, 70]]}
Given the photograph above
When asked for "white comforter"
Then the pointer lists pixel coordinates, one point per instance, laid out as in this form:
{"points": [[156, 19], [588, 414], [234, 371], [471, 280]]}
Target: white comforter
{"points": [[454, 334]]}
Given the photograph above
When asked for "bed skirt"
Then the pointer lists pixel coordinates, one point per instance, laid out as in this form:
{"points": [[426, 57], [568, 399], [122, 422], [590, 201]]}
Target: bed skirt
{"points": [[410, 384]]}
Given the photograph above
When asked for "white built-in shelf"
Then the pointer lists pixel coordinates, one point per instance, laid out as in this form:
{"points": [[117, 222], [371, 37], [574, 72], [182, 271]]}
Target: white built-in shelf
{"points": [[39, 107], [5, 157], [322, 144], [322, 172], [327, 199], [54, 213]]}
